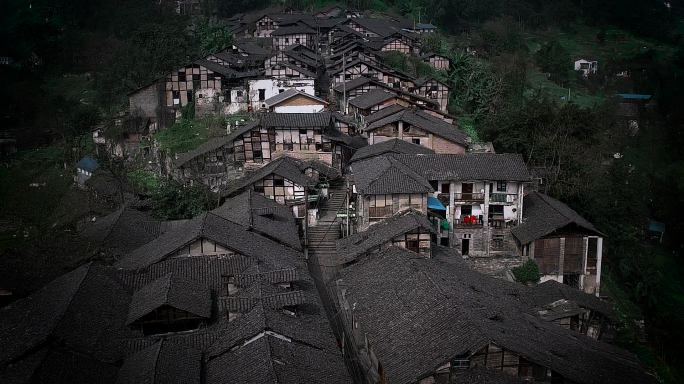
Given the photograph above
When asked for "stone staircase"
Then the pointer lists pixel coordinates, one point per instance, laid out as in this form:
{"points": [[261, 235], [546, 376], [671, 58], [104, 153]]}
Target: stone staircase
{"points": [[322, 237]]}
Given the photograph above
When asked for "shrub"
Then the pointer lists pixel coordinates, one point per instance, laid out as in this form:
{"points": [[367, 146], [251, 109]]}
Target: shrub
{"points": [[527, 273]]}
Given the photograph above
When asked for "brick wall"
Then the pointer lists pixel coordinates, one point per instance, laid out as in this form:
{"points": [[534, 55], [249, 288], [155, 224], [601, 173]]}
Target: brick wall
{"points": [[441, 145], [299, 100]]}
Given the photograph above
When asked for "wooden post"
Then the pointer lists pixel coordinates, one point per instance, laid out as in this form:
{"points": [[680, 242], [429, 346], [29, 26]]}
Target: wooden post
{"points": [[306, 221]]}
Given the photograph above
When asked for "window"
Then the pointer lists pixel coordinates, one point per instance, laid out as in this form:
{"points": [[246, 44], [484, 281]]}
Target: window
{"points": [[262, 94], [281, 90], [302, 131], [258, 155], [226, 96], [297, 40], [278, 182], [501, 186], [445, 188], [466, 210], [239, 94], [415, 141], [287, 40], [181, 76]]}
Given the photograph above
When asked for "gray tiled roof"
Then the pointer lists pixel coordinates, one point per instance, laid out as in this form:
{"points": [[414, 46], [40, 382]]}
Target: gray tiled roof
{"points": [[371, 98], [225, 71], [252, 48], [324, 170], [121, 231], [300, 70], [390, 146], [543, 215], [296, 120], [78, 308], [476, 166], [279, 98], [285, 166], [179, 293], [381, 114], [163, 362], [298, 29], [213, 227], [426, 122], [351, 247], [438, 308], [351, 84], [278, 225], [381, 175], [211, 145]]}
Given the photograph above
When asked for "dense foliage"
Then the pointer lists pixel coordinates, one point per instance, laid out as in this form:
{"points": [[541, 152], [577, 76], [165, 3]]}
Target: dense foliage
{"points": [[173, 201], [527, 273]]}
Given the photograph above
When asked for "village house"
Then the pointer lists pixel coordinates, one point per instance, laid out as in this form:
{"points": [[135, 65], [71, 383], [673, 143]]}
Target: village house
{"points": [[565, 246], [384, 187], [373, 101], [329, 11], [454, 320], [306, 136], [432, 89], [286, 36], [417, 127], [409, 229], [397, 85], [586, 66], [269, 23], [294, 101], [483, 194], [437, 61], [391, 146], [281, 180]]}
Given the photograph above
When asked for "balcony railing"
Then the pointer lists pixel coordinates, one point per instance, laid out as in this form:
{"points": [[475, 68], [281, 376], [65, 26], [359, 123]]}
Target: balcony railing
{"points": [[469, 196], [466, 221], [503, 197], [374, 212]]}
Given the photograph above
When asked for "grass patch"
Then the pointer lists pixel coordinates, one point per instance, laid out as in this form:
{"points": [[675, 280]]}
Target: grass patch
{"points": [[144, 182], [468, 125], [539, 82], [190, 134]]}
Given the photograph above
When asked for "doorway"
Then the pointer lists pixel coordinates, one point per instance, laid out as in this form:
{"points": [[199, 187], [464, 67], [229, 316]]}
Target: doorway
{"points": [[465, 247]]}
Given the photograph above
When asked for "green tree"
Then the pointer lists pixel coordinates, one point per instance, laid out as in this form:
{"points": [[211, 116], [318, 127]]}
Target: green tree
{"points": [[173, 201]]}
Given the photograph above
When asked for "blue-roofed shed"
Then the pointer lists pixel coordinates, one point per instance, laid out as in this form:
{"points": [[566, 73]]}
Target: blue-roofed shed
{"points": [[87, 164], [633, 96], [659, 227]]}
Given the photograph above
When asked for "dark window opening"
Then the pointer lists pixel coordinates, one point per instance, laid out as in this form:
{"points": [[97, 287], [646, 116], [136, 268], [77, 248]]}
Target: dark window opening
{"points": [[281, 90], [181, 76], [445, 188], [239, 94], [291, 310], [415, 141], [302, 131], [501, 186], [278, 182], [262, 94], [466, 210], [258, 155]]}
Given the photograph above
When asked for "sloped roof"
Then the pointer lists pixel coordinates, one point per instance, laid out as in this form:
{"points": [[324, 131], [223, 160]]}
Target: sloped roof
{"points": [[87, 164], [351, 84], [298, 29], [371, 98], [263, 216], [390, 146], [543, 215], [78, 308], [422, 80], [424, 121], [423, 312], [252, 48], [180, 293], [122, 230], [380, 175], [285, 166], [296, 120], [385, 112], [163, 362], [475, 166], [290, 93], [211, 145], [351, 247], [299, 69], [213, 227], [324, 170]]}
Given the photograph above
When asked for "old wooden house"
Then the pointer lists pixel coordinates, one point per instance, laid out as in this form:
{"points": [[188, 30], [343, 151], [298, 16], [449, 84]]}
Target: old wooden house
{"points": [[432, 89], [437, 61], [307, 136], [385, 187], [391, 146], [286, 36], [566, 247], [294, 101], [417, 127], [453, 321], [408, 229]]}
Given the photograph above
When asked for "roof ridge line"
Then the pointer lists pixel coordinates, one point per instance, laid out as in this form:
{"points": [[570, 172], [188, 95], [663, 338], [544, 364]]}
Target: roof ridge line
{"points": [[66, 307]]}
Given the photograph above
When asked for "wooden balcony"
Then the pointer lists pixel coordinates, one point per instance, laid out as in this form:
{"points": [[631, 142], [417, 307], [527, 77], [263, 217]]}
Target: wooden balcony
{"points": [[379, 212], [463, 223]]}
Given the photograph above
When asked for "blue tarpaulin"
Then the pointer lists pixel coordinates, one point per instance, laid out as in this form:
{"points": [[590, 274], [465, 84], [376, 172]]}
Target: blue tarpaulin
{"points": [[633, 96], [435, 204]]}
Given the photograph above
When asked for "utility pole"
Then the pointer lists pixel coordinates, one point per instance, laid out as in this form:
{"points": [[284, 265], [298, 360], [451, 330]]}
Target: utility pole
{"points": [[344, 84]]}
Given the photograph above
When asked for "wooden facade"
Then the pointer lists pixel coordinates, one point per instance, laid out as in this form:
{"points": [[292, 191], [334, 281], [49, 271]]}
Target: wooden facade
{"points": [[434, 90], [280, 189], [396, 44], [379, 207], [416, 135], [438, 62], [181, 84], [259, 144], [265, 26], [283, 41]]}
